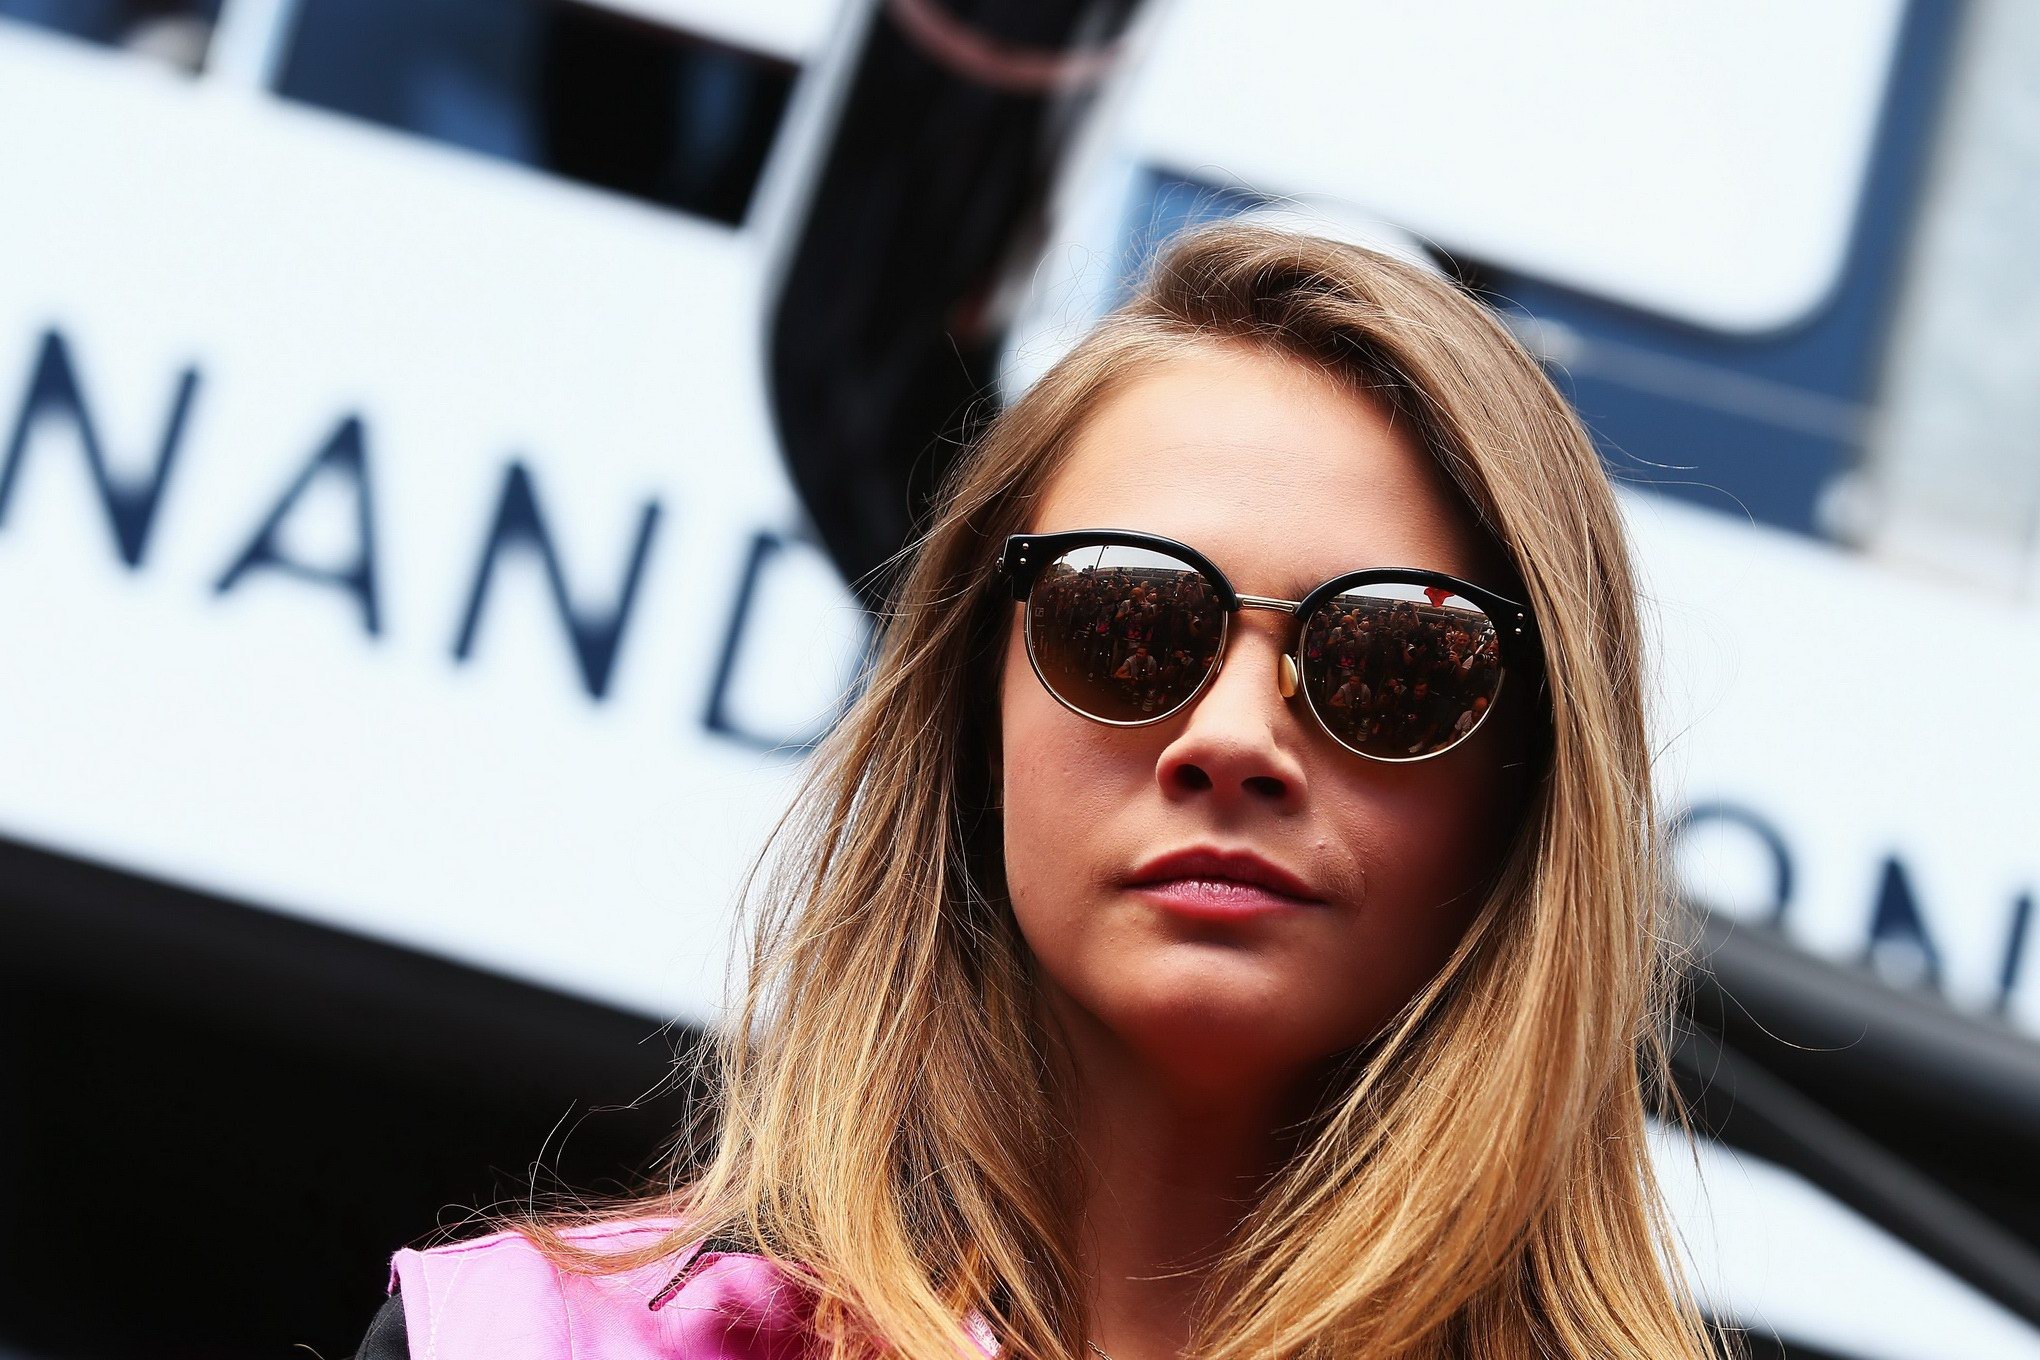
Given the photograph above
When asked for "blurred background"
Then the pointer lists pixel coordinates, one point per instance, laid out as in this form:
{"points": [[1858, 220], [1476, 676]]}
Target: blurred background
{"points": [[448, 450]]}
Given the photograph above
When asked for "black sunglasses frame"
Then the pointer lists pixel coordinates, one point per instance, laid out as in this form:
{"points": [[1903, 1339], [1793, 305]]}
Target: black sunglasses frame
{"points": [[1025, 555]]}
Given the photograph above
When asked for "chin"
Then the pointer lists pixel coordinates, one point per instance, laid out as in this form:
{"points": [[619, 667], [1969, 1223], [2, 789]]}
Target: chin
{"points": [[1213, 1025]]}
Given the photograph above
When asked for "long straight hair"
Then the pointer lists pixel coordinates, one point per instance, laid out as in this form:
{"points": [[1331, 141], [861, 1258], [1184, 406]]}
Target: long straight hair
{"points": [[885, 1111]]}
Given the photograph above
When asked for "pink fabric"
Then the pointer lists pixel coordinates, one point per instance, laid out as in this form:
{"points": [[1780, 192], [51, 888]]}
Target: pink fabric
{"points": [[498, 1298]]}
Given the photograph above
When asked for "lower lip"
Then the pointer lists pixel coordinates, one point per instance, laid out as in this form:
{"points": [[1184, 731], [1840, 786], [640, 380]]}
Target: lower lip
{"points": [[1218, 899]]}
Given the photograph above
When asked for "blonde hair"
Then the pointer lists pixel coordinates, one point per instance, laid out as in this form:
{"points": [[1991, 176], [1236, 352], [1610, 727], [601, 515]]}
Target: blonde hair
{"points": [[884, 1110]]}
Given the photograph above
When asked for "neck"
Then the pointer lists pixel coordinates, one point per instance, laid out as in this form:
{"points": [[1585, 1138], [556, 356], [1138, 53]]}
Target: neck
{"points": [[1171, 1169]]}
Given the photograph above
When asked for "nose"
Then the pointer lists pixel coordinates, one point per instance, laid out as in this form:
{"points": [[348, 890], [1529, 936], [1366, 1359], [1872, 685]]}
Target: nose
{"points": [[1239, 738]]}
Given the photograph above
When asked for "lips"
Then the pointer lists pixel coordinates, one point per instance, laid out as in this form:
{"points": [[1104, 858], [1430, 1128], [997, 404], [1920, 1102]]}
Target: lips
{"points": [[1234, 866]]}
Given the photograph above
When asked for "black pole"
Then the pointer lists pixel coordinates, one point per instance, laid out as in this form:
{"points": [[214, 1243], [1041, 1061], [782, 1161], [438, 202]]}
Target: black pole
{"points": [[1922, 1119], [930, 186]]}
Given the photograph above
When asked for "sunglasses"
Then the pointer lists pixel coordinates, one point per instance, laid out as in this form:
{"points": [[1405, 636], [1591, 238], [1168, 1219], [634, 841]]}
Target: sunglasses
{"points": [[1395, 663]]}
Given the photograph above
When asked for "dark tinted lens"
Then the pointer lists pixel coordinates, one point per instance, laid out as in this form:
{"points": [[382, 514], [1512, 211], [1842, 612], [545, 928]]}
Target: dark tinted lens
{"points": [[1401, 671], [1124, 634]]}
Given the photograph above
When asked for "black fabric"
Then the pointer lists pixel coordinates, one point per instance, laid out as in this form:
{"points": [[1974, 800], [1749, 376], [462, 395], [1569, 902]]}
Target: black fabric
{"points": [[734, 1241], [386, 1339]]}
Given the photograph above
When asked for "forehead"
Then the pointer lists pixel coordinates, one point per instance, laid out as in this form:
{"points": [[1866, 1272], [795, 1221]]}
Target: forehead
{"points": [[1270, 468]]}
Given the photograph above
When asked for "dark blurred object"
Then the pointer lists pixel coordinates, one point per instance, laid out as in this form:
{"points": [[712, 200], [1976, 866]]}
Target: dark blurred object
{"points": [[177, 32], [219, 1122], [1920, 1118], [929, 189], [579, 91]]}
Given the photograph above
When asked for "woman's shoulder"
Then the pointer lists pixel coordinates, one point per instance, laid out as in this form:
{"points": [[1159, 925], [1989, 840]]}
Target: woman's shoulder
{"points": [[502, 1297]]}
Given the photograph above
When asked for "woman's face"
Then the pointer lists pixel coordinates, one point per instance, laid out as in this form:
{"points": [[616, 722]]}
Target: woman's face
{"points": [[1283, 479]]}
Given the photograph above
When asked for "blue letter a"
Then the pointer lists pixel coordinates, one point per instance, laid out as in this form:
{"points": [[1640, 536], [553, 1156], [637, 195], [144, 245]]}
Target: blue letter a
{"points": [[345, 455], [1900, 950]]}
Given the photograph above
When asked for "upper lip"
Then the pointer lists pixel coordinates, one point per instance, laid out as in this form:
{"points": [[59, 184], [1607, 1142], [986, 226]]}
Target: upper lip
{"points": [[1205, 861]]}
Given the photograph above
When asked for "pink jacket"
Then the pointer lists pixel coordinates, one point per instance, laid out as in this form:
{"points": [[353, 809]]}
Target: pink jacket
{"points": [[497, 1298]]}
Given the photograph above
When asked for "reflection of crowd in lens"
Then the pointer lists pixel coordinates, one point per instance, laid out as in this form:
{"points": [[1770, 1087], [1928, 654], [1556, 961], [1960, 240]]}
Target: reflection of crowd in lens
{"points": [[1397, 678], [1132, 643]]}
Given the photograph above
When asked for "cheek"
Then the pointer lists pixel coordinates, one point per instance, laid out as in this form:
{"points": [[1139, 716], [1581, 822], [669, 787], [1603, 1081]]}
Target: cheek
{"points": [[1038, 864], [1431, 838], [1427, 840], [1059, 785]]}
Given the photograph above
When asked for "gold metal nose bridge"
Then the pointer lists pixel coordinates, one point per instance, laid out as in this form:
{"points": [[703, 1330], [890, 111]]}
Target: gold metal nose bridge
{"points": [[1286, 679]]}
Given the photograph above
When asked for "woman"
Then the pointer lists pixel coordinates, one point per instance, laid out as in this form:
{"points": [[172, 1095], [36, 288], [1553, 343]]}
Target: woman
{"points": [[1218, 1031]]}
